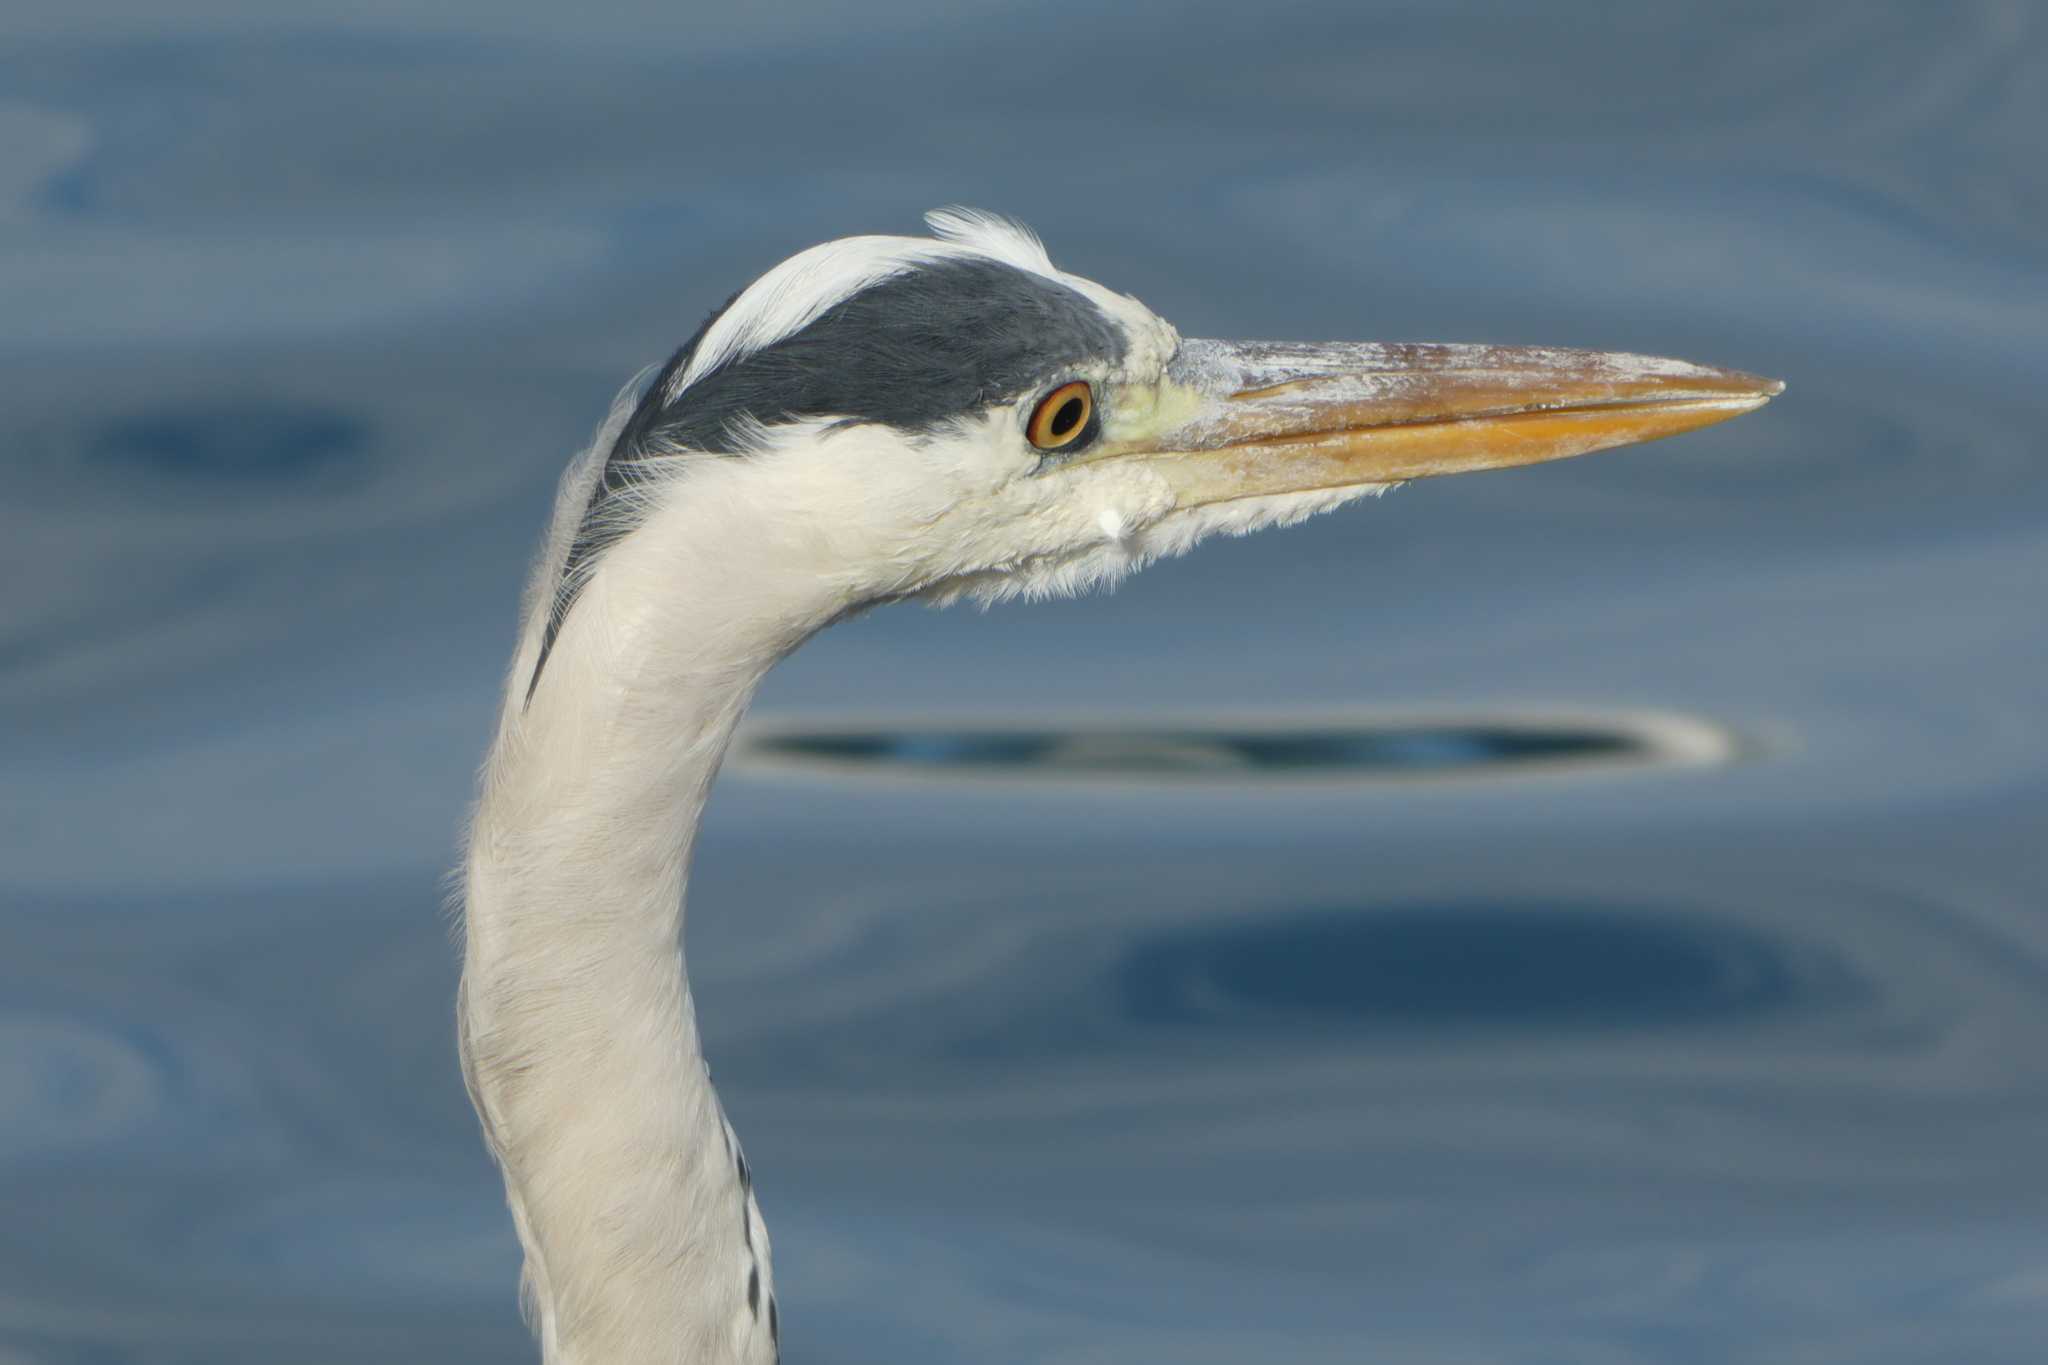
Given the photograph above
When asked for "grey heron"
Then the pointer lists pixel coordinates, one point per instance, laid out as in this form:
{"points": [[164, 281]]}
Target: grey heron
{"points": [[874, 419]]}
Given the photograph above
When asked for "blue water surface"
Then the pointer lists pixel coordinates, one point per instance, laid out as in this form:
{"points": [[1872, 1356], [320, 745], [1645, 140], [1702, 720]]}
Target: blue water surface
{"points": [[303, 308]]}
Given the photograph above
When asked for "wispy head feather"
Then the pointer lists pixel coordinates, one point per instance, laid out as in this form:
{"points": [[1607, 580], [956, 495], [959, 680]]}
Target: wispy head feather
{"points": [[992, 234]]}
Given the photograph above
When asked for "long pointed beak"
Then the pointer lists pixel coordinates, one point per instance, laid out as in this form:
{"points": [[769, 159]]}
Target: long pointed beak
{"points": [[1248, 419]]}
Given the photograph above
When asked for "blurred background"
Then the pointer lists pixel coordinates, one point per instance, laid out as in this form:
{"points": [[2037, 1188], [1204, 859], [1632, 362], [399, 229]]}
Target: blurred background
{"points": [[1407, 1049]]}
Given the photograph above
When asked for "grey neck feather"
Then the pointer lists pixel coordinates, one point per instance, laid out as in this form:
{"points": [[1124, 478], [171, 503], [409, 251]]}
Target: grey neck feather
{"points": [[579, 1034]]}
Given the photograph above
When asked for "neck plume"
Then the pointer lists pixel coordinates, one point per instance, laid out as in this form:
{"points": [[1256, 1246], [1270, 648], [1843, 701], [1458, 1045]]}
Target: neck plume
{"points": [[578, 1034]]}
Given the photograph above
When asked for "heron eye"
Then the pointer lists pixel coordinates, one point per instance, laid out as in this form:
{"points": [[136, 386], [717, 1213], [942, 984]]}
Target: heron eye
{"points": [[1061, 416]]}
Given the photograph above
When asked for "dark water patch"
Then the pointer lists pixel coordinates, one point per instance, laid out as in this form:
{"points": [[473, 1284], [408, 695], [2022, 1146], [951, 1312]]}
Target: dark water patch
{"points": [[1195, 751], [1446, 968], [227, 445]]}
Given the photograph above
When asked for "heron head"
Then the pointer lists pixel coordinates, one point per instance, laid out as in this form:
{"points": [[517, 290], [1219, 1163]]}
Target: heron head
{"points": [[892, 417]]}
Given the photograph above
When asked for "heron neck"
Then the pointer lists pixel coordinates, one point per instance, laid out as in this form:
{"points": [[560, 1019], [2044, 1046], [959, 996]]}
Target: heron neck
{"points": [[580, 1039]]}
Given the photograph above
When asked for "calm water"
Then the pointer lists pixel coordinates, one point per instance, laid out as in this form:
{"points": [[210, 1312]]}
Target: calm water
{"points": [[1046, 1049]]}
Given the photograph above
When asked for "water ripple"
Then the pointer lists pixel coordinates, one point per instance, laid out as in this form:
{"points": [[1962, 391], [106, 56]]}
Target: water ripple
{"points": [[1354, 749], [65, 1083], [232, 445], [1443, 968]]}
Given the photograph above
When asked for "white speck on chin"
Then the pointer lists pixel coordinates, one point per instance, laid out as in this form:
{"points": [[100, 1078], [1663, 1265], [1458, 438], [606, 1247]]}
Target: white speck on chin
{"points": [[1114, 527]]}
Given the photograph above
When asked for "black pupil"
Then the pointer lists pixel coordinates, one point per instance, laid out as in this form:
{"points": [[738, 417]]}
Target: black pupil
{"points": [[1067, 418]]}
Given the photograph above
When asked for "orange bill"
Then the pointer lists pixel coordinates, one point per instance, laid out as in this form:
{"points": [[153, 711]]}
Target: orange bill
{"points": [[1251, 419]]}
